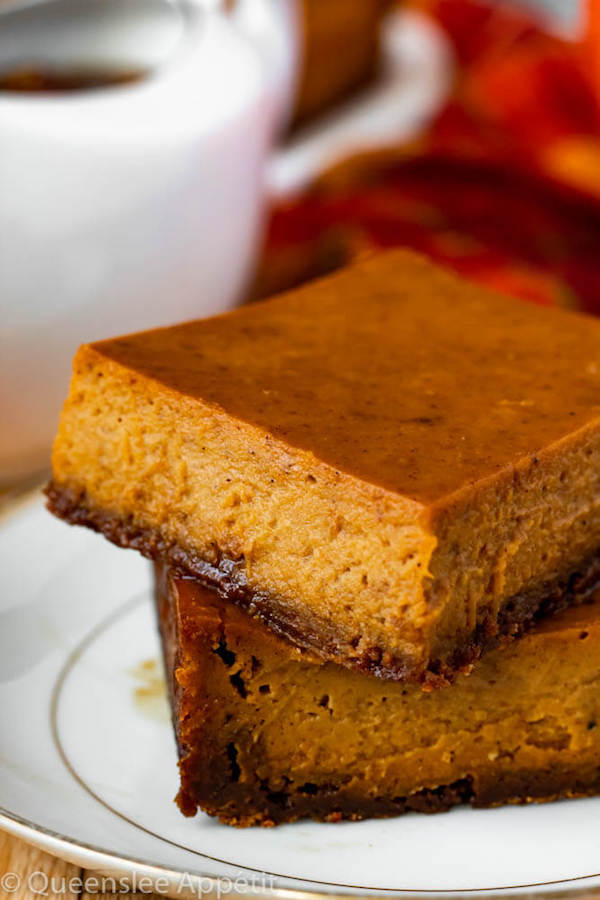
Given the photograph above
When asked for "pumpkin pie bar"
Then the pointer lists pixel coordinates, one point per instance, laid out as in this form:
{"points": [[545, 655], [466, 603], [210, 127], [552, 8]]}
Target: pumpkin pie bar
{"points": [[392, 467], [268, 733]]}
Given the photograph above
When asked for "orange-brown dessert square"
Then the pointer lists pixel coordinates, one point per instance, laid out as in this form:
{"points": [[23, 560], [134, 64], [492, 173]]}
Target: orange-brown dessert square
{"points": [[390, 466], [268, 733]]}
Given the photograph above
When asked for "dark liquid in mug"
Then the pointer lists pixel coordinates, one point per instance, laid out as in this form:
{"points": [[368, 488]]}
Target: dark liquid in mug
{"points": [[38, 79]]}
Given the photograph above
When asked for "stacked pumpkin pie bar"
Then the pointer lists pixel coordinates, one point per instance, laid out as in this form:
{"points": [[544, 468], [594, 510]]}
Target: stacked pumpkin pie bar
{"points": [[374, 508]]}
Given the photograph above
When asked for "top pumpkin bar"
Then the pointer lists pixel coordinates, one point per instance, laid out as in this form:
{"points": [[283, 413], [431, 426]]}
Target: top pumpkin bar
{"points": [[391, 466]]}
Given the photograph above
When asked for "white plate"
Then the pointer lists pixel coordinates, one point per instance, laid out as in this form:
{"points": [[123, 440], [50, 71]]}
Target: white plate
{"points": [[88, 765]]}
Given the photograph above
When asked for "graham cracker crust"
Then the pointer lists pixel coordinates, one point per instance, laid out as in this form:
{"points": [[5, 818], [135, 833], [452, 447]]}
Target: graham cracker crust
{"points": [[227, 577]]}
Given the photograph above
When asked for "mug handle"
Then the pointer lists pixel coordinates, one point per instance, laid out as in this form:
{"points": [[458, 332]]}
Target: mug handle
{"points": [[414, 83]]}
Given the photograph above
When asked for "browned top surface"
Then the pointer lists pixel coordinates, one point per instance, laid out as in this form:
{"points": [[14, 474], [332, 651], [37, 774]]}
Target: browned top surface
{"points": [[393, 370]]}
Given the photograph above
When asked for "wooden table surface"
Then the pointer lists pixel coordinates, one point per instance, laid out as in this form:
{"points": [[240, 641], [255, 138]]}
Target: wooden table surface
{"points": [[29, 874]]}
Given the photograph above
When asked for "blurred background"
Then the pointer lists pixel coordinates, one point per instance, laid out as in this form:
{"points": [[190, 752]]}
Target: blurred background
{"points": [[163, 160]]}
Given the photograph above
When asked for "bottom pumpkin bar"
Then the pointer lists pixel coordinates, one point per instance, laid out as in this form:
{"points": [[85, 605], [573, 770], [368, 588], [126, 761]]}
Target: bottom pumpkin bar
{"points": [[269, 734]]}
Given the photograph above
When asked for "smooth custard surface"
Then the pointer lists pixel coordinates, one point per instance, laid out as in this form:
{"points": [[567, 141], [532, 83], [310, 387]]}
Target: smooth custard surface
{"points": [[393, 371]]}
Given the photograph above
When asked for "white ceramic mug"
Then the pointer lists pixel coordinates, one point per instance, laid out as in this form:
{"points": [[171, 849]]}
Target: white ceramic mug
{"points": [[141, 205], [129, 206]]}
